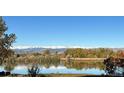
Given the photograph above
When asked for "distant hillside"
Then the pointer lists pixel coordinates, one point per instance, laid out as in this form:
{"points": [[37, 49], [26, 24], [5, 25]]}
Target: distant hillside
{"points": [[118, 49], [38, 50], [59, 50]]}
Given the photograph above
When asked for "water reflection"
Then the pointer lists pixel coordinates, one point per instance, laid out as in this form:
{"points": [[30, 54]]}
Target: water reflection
{"points": [[84, 65], [9, 67], [35, 68], [114, 67], [114, 71]]}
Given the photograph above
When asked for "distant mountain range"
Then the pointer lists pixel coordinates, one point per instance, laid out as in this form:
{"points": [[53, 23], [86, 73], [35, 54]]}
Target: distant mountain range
{"points": [[38, 50]]}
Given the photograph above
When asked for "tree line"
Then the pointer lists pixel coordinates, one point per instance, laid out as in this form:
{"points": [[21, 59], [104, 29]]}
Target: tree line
{"points": [[93, 53]]}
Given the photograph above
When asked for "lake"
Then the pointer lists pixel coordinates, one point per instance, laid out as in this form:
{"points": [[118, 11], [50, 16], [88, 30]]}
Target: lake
{"points": [[25, 68]]}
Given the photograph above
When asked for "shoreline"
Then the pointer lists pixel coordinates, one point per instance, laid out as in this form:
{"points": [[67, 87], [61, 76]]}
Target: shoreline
{"points": [[56, 75], [83, 59]]}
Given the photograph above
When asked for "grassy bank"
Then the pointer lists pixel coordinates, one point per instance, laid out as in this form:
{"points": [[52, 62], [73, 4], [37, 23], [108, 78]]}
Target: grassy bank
{"points": [[57, 75], [85, 59]]}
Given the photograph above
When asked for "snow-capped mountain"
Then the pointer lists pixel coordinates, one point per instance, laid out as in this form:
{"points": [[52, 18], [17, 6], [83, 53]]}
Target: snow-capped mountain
{"points": [[49, 47], [37, 49]]}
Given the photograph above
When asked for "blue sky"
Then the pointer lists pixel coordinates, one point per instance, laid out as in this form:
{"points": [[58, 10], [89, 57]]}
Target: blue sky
{"points": [[67, 31]]}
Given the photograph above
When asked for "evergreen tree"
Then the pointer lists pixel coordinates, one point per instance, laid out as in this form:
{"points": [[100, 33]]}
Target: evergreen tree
{"points": [[6, 41]]}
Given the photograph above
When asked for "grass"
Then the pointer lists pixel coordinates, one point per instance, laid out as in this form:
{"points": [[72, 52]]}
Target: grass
{"points": [[56, 75]]}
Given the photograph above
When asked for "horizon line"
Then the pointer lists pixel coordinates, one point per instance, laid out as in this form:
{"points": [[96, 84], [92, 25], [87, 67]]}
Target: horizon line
{"points": [[57, 47]]}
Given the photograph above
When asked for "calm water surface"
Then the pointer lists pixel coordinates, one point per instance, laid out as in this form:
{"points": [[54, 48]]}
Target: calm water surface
{"points": [[58, 70], [55, 68], [92, 68]]}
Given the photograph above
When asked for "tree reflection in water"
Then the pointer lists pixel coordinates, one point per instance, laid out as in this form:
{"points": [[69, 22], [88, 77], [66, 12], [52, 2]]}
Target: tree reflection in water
{"points": [[111, 68], [9, 66], [114, 66], [84, 65], [33, 70]]}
